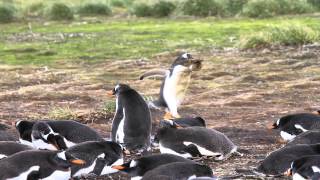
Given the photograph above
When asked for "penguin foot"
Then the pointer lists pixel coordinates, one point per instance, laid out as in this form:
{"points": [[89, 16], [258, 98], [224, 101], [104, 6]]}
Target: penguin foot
{"points": [[281, 141]]}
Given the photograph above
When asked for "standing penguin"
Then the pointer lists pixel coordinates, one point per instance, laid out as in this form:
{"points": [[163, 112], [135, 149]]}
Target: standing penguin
{"points": [[98, 155], [35, 164], [294, 124], [179, 171], [131, 125], [307, 167], [195, 141], [175, 84], [138, 167], [55, 135], [7, 148]]}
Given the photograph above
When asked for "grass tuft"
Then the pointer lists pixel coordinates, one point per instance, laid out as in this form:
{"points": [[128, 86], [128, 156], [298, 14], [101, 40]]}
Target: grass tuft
{"points": [[95, 9], [109, 106], [62, 113], [285, 36], [6, 14], [60, 11]]}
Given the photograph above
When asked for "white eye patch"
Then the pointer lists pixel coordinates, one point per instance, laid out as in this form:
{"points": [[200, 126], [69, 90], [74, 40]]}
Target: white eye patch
{"points": [[62, 155]]}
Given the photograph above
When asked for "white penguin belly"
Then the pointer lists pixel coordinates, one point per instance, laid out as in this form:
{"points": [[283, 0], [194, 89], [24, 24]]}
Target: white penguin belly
{"points": [[297, 176], [28, 143], [286, 136], [68, 143], [86, 170], [3, 156], [109, 170], [136, 178], [120, 130], [61, 175], [170, 151], [40, 144], [25, 174], [203, 151]]}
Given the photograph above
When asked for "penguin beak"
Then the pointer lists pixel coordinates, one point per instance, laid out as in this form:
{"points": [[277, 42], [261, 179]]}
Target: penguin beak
{"points": [[118, 167], [77, 162], [288, 172], [110, 93], [316, 112], [271, 126], [53, 141]]}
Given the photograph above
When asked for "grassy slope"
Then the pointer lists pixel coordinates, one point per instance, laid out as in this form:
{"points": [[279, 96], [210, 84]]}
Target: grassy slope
{"points": [[122, 39]]}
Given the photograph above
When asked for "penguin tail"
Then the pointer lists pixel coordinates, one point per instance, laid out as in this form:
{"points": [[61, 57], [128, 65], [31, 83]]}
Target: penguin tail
{"points": [[153, 73]]}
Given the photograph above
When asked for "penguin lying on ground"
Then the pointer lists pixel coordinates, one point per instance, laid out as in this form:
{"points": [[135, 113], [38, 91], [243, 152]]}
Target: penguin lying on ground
{"points": [[195, 141], [55, 135], [307, 167], [7, 148], [185, 122], [98, 155], [309, 137], [138, 167], [35, 164], [175, 84], [292, 125], [178, 171], [277, 162], [131, 125]]}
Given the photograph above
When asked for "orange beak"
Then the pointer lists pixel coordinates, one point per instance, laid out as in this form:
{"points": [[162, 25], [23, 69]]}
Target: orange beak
{"points": [[169, 116], [270, 125], [78, 162], [118, 167], [288, 172], [316, 112], [110, 93]]}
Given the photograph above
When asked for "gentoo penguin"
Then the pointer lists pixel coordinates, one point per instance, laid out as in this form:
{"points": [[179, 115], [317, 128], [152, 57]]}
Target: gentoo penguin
{"points": [[8, 148], [98, 155], [195, 141], [36, 164], [185, 122], [131, 125], [292, 125], [179, 171], [138, 167], [277, 162], [175, 84], [307, 167], [309, 137], [53, 135]]}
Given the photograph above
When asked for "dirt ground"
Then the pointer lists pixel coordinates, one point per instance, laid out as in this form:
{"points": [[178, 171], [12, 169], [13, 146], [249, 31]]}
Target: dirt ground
{"points": [[236, 92]]}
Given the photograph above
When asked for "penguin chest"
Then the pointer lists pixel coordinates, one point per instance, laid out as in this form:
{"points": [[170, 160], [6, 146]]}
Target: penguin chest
{"points": [[120, 130], [86, 170], [25, 174], [25, 142], [175, 87], [61, 175]]}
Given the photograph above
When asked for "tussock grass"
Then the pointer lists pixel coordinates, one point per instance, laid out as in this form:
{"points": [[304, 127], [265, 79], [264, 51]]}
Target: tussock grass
{"points": [[285, 36], [109, 106]]}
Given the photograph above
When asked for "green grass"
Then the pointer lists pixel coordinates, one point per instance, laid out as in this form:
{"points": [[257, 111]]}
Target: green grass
{"points": [[115, 39]]}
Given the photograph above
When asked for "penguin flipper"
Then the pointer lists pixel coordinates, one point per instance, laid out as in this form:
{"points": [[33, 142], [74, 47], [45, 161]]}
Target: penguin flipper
{"points": [[34, 175], [158, 72]]}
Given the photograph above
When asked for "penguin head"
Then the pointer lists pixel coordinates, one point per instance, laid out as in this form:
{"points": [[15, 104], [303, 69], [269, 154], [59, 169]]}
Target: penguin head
{"points": [[186, 62], [284, 124], [65, 160], [42, 131], [24, 128], [118, 89], [112, 152]]}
